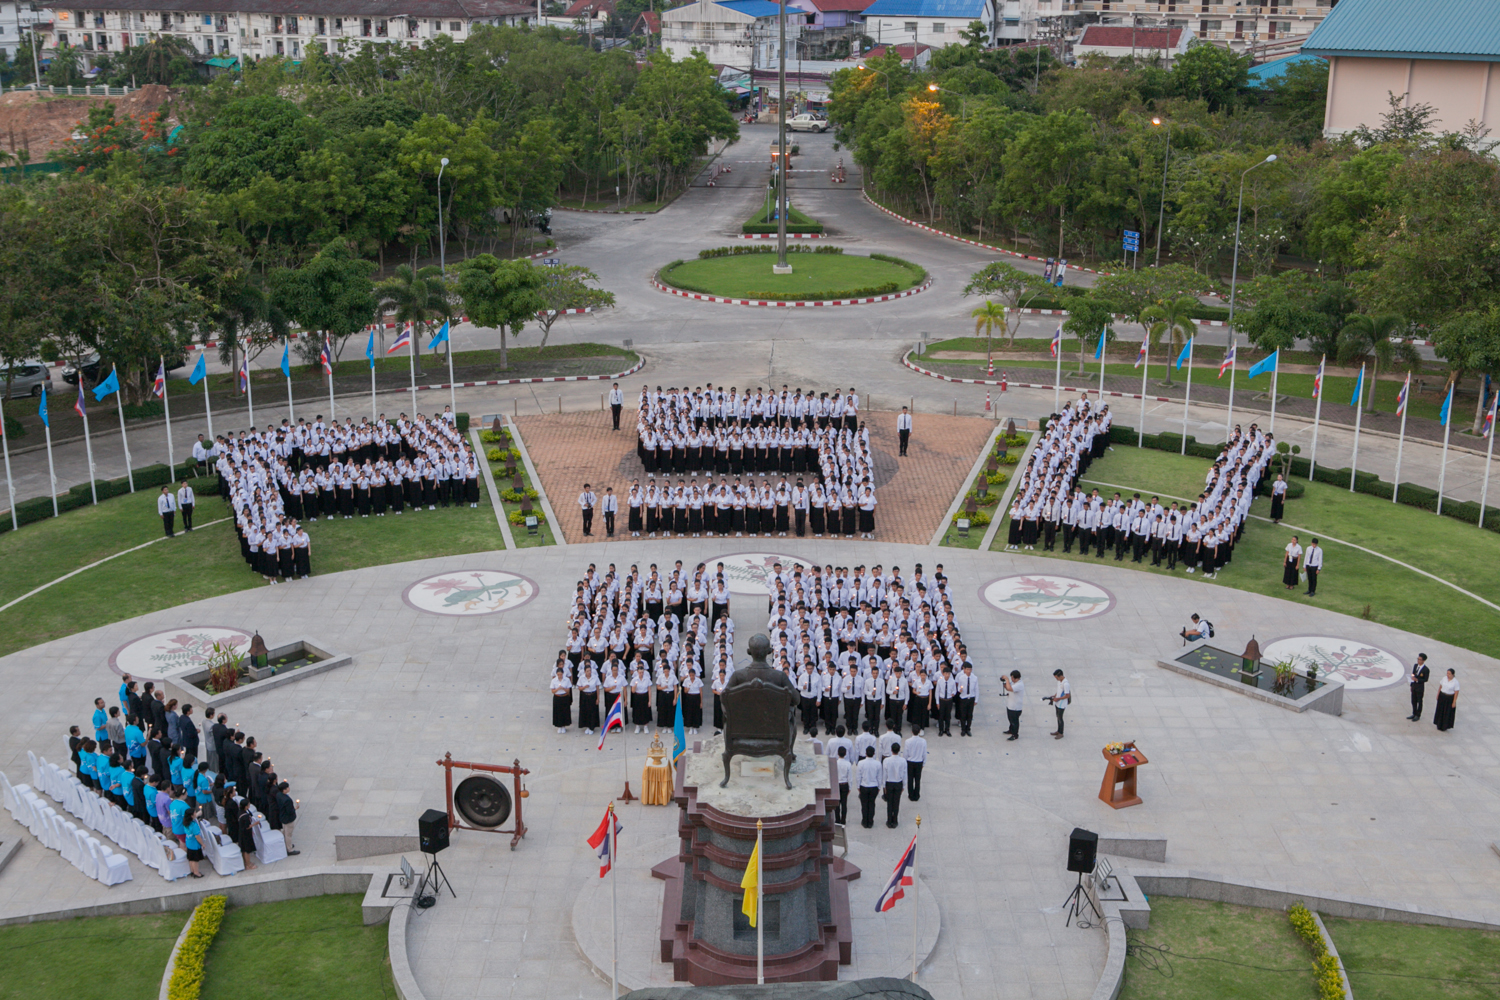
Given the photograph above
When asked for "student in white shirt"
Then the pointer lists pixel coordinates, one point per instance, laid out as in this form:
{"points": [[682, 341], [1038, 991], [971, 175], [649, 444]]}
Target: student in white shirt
{"points": [[868, 772], [1312, 561], [915, 753], [845, 773], [185, 502], [1290, 563], [893, 770], [1061, 700], [166, 506]]}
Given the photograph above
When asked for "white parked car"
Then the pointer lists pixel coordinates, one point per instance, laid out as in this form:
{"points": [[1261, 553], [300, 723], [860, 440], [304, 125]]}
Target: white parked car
{"points": [[807, 123]]}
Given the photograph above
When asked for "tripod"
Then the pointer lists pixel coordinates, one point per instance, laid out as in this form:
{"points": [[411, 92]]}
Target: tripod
{"points": [[1077, 900], [436, 878]]}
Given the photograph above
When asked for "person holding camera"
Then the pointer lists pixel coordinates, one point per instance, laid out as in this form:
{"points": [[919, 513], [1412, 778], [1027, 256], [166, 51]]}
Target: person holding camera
{"points": [[1015, 691], [1060, 701]]}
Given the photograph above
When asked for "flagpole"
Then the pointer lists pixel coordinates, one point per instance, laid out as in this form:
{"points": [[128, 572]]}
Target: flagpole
{"points": [[614, 907], [1102, 334], [1484, 491], [249, 392], [1358, 412], [1140, 432], [1401, 442], [10, 490], [372, 374], [207, 409], [624, 750], [88, 442], [1057, 375], [124, 443], [412, 354], [915, 888], [328, 349], [1187, 395], [760, 922], [167, 412], [1229, 418], [1274, 373], [51, 473], [452, 391], [1312, 460], [1447, 429]]}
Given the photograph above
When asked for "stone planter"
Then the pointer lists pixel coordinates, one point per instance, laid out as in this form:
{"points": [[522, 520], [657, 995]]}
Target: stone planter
{"points": [[284, 665]]}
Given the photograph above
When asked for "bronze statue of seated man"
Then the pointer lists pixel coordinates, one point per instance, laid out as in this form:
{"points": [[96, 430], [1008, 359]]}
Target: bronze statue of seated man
{"points": [[760, 711]]}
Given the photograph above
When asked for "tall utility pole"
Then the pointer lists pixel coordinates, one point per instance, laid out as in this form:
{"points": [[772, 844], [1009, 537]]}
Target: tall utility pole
{"points": [[781, 266]]}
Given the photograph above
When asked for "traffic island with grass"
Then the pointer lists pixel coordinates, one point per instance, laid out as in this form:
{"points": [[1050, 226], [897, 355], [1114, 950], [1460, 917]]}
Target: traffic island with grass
{"points": [[764, 221], [827, 273]]}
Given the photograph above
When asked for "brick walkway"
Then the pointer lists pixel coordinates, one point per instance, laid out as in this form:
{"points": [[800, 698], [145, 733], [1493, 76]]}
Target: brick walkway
{"points": [[571, 449]]}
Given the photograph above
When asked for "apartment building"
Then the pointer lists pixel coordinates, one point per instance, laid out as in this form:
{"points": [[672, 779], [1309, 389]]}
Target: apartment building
{"points": [[18, 20], [738, 33], [937, 23], [240, 29], [1268, 30]]}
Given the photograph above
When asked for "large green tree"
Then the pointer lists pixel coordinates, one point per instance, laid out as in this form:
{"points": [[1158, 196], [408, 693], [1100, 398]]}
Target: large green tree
{"points": [[501, 295], [332, 294]]}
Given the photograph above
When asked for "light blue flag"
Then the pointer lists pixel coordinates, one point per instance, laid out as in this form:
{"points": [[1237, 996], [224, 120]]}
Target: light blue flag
{"points": [[200, 371], [286, 359], [679, 734], [1099, 351], [1266, 364], [1187, 349], [1447, 407], [1359, 387], [108, 386], [41, 410], [370, 348], [442, 335]]}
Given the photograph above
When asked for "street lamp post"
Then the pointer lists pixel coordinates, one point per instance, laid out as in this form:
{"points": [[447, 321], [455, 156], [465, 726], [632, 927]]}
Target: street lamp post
{"points": [[877, 72], [963, 100], [442, 244], [1235, 267], [781, 266], [1161, 214]]}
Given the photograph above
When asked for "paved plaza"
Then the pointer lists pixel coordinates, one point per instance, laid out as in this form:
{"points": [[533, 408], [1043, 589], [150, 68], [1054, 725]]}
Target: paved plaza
{"points": [[1366, 805]]}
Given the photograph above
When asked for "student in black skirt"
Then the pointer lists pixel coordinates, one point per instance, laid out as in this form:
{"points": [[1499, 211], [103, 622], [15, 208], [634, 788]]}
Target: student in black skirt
{"points": [[666, 696], [640, 698], [721, 679], [562, 700], [588, 699], [692, 702]]}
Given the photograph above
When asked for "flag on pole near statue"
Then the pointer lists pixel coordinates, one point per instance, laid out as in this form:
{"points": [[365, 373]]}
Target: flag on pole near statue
{"points": [[1228, 361], [1187, 352], [1402, 396], [78, 403], [109, 385], [1447, 409], [402, 339], [200, 371], [1266, 364], [603, 841], [614, 719], [159, 387], [1140, 355], [679, 735], [1056, 344], [901, 878], [751, 884]]}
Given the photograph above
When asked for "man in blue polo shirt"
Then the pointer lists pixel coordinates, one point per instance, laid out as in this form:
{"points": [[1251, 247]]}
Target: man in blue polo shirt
{"points": [[135, 744], [101, 717]]}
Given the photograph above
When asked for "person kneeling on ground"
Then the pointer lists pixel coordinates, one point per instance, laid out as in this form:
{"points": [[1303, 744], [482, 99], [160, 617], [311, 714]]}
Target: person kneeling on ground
{"points": [[1194, 631]]}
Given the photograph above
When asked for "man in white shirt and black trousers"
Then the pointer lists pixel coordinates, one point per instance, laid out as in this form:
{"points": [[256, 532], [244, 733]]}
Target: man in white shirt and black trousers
{"points": [[1061, 700], [616, 400], [202, 455], [1312, 561], [893, 770], [166, 506], [903, 428], [185, 501], [846, 772], [915, 753], [868, 772], [611, 508], [586, 502], [968, 693]]}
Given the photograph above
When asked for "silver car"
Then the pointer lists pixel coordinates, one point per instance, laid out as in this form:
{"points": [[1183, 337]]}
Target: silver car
{"points": [[25, 379], [807, 123]]}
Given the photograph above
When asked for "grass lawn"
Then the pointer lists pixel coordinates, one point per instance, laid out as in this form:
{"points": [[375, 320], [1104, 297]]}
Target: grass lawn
{"points": [[796, 222], [518, 533], [1215, 951], [190, 567], [117, 957], [1389, 961], [1351, 580], [975, 537], [814, 276], [315, 947]]}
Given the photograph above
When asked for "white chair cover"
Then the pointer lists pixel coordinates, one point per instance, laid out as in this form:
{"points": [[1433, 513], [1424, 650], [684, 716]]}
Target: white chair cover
{"points": [[33, 813], [70, 843], [91, 866], [50, 836], [175, 863], [36, 770], [113, 868], [7, 794], [270, 845], [226, 858]]}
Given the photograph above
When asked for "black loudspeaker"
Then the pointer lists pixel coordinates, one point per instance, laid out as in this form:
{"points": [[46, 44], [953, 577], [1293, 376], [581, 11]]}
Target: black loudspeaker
{"points": [[432, 831], [1083, 845], [482, 801]]}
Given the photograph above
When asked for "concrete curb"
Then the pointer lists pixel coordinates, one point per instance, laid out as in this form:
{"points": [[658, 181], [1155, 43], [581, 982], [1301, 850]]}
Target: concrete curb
{"points": [[536, 482], [1334, 951], [1003, 507], [953, 508], [166, 976], [395, 948], [8, 850], [656, 284], [491, 488], [790, 236]]}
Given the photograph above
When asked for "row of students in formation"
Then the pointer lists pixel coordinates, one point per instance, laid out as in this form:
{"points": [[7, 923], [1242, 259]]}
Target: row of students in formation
{"points": [[1201, 534], [741, 509], [680, 434], [281, 478], [851, 640]]}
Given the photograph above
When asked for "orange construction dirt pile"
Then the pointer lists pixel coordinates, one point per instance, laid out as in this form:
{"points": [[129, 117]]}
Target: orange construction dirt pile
{"points": [[43, 122]]}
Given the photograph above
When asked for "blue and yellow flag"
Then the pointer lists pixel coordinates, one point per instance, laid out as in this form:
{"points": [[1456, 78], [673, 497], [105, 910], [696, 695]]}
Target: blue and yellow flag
{"points": [[679, 733], [751, 884]]}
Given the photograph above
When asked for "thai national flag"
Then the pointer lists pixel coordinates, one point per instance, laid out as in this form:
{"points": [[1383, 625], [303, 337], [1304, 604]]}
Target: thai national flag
{"points": [[1228, 362], [159, 387], [325, 355], [1402, 396], [603, 841], [901, 878], [1318, 378], [1489, 418], [244, 373], [1140, 356], [402, 339], [614, 719], [78, 403], [1056, 344]]}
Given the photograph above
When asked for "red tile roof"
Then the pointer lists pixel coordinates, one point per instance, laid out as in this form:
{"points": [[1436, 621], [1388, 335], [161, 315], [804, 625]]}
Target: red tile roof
{"points": [[652, 19], [904, 50], [584, 8], [1119, 37]]}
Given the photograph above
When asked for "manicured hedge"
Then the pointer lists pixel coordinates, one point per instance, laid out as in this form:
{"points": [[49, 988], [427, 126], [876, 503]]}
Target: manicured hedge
{"points": [[187, 971], [147, 479]]}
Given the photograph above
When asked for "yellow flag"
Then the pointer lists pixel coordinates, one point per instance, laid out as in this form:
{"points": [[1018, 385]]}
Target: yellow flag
{"points": [[751, 883]]}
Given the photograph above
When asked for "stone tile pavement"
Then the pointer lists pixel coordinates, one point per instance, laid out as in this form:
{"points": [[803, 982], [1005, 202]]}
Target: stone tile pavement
{"points": [[1366, 804], [571, 449]]}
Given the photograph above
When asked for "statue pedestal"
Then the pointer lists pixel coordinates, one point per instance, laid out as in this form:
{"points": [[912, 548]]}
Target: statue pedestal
{"points": [[807, 925]]}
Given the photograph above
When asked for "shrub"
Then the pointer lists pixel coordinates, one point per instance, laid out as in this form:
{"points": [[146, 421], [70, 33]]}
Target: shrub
{"points": [[739, 251], [828, 248], [493, 454], [1010, 458], [884, 288], [986, 499], [1325, 967], [149, 408], [490, 437], [1020, 442], [978, 519], [516, 496], [461, 421], [516, 517], [187, 974], [13, 427]]}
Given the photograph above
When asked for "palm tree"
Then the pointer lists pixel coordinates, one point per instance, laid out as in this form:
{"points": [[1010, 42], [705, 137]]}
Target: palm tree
{"points": [[416, 297], [1172, 320], [1365, 336], [987, 317]]}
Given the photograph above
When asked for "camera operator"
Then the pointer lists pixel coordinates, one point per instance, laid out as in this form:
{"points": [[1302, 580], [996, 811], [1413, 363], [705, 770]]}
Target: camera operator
{"points": [[1060, 701], [1015, 695]]}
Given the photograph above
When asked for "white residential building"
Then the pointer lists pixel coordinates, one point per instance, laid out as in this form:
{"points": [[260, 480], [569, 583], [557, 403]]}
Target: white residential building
{"points": [[17, 20], [739, 33], [937, 23]]}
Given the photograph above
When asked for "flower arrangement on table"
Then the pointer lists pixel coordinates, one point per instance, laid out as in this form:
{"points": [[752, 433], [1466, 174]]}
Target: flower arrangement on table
{"points": [[1114, 749]]}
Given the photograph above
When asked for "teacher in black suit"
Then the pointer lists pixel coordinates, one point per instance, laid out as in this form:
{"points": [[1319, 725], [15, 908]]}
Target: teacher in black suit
{"points": [[1420, 674]]}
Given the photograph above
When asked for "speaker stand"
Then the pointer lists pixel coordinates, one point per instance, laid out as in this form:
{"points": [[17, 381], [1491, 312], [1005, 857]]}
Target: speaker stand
{"points": [[627, 797], [1076, 901], [437, 878]]}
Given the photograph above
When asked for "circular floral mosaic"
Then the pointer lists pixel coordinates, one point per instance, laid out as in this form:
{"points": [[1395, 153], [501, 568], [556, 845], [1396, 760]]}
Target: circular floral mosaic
{"points": [[470, 592], [746, 572], [1047, 597], [160, 654], [1359, 665]]}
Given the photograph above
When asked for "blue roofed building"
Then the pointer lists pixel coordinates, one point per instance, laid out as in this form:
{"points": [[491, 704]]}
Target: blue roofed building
{"points": [[929, 22], [1376, 49], [738, 33]]}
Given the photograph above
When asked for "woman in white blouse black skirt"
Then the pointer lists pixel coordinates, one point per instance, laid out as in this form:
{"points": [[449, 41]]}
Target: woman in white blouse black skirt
{"points": [[562, 700], [588, 699], [1278, 500], [1447, 703]]}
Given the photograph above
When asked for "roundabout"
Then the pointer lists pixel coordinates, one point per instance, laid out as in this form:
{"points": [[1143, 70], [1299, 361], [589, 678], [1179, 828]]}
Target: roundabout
{"points": [[746, 278]]}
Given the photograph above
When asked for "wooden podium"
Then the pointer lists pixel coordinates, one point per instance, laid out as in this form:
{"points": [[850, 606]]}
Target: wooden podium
{"points": [[1118, 788]]}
